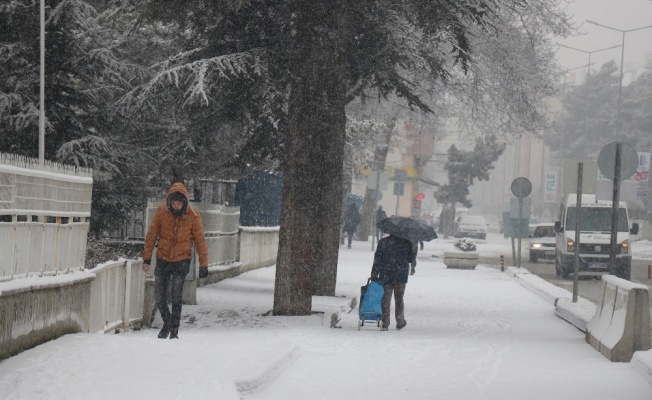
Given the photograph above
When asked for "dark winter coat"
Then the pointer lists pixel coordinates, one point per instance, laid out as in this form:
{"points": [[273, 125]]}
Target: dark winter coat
{"points": [[392, 260], [176, 234], [351, 219], [380, 215]]}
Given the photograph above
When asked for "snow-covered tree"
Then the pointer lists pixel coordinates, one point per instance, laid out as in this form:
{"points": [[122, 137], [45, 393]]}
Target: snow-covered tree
{"points": [[463, 168], [299, 63], [590, 115]]}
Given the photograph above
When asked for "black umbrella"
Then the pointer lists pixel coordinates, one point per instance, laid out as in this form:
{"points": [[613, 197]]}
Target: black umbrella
{"points": [[407, 228]]}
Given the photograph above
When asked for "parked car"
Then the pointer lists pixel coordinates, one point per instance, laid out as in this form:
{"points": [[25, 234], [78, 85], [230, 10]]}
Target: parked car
{"points": [[533, 224], [471, 226], [542, 242]]}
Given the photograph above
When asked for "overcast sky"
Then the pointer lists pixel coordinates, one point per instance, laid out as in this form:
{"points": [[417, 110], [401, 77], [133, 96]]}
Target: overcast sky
{"points": [[619, 14]]}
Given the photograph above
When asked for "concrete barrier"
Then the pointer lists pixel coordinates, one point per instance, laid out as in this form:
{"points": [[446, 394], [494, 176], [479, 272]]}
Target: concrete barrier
{"points": [[459, 260], [34, 310], [621, 324]]}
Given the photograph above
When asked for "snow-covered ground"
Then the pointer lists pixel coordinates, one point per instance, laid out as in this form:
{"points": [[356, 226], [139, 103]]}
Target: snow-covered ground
{"points": [[471, 335], [642, 250]]}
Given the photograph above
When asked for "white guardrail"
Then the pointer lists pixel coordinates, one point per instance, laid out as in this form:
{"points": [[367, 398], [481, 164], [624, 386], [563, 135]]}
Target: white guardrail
{"points": [[117, 295], [33, 247]]}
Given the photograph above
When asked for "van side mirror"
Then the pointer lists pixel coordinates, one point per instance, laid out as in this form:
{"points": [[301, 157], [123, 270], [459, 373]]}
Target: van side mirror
{"points": [[558, 227], [634, 230]]}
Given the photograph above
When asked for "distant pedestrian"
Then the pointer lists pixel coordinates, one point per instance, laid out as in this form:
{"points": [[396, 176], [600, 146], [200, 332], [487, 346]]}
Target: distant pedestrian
{"points": [[175, 227], [380, 215], [351, 221], [416, 244], [391, 266]]}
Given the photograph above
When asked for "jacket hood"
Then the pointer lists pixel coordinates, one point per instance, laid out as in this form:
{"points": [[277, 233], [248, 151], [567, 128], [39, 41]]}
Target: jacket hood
{"points": [[173, 194], [178, 187]]}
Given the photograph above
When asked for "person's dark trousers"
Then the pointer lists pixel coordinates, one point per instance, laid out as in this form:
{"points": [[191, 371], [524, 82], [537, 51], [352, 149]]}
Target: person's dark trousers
{"points": [[350, 233], [398, 289], [172, 274]]}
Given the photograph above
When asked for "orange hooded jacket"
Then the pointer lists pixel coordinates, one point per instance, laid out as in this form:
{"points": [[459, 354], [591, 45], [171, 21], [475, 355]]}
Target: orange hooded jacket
{"points": [[176, 234]]}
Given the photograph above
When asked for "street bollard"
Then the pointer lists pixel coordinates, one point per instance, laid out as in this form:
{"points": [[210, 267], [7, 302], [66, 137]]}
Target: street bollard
{"points": [[502, 262], [649, 271]]}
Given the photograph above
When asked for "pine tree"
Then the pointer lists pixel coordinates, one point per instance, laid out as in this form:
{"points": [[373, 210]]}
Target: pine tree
{"points": [[464, 167]]}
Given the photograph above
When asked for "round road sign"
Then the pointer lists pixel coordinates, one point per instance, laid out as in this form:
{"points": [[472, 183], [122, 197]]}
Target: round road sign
{"points": [[521, 187], [628, 160]]}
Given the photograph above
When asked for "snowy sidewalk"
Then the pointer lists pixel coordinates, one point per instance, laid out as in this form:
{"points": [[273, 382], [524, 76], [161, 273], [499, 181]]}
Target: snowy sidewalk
{"points": [[471, 334]]}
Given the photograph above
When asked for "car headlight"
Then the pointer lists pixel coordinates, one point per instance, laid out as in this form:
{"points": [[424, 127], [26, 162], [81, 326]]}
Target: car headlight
{"points": [[624, 247], [536, 245], [570, 245]]}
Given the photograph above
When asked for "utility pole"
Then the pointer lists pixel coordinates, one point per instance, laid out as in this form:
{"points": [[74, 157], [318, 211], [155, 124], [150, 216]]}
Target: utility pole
{"points": [[41, 115]]}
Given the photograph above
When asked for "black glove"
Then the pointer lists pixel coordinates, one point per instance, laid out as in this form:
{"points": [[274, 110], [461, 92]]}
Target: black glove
{"points": [[412, 269], [203, 272]]}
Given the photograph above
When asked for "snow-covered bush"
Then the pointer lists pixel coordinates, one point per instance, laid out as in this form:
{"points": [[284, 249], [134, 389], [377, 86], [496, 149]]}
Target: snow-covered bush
{"points": [[465, 245]]}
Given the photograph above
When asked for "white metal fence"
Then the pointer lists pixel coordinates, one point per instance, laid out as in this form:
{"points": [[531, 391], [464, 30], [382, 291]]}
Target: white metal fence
{"points": [[44, 216], [117, 295], [31, 247]]}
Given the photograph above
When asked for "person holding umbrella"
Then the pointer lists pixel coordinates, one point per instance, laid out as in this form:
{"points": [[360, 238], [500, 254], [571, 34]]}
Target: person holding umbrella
{"points": [[392, 260], [391, 266]]}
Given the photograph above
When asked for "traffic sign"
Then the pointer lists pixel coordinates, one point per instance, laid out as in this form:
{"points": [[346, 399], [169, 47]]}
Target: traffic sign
{"points": [[377, 176], [628, 160], [521, 187], [399, 188], [515, 204], [519, 228], [400, 175]]}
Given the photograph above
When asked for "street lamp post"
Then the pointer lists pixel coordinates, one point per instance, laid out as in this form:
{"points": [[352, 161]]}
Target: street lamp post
{"points": [[622, 58], [588, 77], [41, 114]]}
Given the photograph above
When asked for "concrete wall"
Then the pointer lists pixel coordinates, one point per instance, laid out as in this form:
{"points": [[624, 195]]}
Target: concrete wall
{"points": [[38, 309]]}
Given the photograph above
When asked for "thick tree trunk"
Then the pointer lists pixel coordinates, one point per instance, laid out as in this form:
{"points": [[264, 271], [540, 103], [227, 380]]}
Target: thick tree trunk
{"points": [[310, 218]]}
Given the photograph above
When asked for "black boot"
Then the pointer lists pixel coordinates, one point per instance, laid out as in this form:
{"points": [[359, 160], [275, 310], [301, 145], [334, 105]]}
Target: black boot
{"points": [[174, 333], [165, 331]]}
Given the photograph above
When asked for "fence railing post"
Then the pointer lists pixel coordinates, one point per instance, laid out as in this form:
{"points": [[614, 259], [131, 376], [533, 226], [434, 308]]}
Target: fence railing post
{"points": [[127, 306]]}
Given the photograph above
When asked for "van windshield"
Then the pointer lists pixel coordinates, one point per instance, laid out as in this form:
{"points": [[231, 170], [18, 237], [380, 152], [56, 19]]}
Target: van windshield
{"points": [[596, 219]]}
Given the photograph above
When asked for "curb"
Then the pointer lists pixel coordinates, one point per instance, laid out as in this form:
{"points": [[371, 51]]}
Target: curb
{"points": [[577, 314]]}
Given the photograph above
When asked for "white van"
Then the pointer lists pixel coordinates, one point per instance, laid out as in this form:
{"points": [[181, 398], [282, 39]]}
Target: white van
{"points": [[471, 226], [595, 237]]}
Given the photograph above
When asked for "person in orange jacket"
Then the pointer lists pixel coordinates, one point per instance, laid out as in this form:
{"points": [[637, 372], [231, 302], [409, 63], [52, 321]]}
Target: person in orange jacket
{"points": [[176, 226]]}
